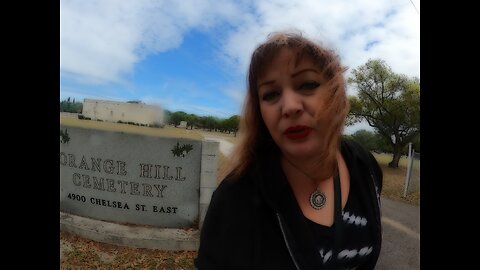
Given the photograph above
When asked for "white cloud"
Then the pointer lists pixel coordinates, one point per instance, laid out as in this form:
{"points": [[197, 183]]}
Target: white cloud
{"points": [[235, 94], [345, 26], [101, 41], [97, 39]]}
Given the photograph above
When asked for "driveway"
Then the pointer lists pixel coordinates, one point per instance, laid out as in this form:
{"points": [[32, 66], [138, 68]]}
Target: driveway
{"points": [[401, 236]]}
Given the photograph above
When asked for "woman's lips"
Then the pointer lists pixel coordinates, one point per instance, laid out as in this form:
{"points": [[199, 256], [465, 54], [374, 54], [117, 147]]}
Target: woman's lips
{"points": [[297, 132]]}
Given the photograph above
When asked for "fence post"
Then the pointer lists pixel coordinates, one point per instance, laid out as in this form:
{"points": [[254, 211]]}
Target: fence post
{"points": [[409, 169]]}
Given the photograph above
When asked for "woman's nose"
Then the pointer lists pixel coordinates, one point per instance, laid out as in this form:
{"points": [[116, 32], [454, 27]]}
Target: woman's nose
{"points": [[292, 104]]}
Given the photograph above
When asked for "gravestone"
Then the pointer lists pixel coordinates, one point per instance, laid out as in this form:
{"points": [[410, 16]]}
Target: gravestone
{"points": [[183, 124], [136, 179]]}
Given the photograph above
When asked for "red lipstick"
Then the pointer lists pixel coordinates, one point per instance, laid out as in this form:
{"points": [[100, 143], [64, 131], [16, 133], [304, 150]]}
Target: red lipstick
{"points": [[297, 132]]}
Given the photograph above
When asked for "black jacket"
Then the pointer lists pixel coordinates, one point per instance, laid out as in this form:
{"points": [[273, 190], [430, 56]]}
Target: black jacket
{"points": [[252, 224]]}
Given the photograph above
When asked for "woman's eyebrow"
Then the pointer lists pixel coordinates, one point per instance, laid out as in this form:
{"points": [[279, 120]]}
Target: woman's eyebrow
{"points": [[304, 70], [293, 75], [266, 83]]}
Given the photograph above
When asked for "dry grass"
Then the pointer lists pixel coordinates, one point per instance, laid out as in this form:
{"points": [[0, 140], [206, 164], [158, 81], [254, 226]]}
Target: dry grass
{"points": [[228, 137], [167, 131], [87, 254], [81, 253], [394, 180]]}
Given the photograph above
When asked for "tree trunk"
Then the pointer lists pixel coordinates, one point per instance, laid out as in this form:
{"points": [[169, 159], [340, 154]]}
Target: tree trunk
{"points": [[397, 153]]}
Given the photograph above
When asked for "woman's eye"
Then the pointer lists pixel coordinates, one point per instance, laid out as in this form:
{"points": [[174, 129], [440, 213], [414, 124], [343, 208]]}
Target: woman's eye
{"points": [[270, 95], [309, 85]]}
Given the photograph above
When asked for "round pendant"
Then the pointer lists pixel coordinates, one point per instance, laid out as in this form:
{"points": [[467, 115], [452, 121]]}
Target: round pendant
{"points": [[318, 199]]}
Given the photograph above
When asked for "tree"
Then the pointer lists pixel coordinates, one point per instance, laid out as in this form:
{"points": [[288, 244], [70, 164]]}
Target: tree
{"points": [[192, 120], [177, 117], [69, 106], [383, 144], [365, 138], [211, 123], [389, 102], [232, 124]]}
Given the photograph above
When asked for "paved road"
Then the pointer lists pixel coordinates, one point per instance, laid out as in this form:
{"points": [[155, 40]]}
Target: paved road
{"points": [[401, 236]]}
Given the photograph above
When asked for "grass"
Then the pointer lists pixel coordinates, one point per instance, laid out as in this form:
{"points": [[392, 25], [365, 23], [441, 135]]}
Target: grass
{"points": [[394, 179], [87, 254], [227, 136], [167, 131]]}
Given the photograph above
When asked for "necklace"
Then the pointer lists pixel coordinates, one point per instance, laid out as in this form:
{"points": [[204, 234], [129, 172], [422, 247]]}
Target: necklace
{"points": [[317, 199]]}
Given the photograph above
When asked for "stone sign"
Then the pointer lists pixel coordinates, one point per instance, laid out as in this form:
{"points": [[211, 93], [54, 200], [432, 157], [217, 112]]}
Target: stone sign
{"points": [[130, 178]]}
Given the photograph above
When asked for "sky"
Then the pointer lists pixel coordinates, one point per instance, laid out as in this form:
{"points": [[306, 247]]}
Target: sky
{"points": [[192, 55]]}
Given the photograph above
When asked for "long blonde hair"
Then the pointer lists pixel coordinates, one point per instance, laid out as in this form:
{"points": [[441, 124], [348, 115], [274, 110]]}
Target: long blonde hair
{"points": [[255, 142]]}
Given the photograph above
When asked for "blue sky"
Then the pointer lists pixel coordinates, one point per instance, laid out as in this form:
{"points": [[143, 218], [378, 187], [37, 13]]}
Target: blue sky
{"points": [[192, 55]]}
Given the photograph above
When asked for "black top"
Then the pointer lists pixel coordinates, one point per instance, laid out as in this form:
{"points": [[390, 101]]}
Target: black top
{"points": [[255, 222], [356, 243]]}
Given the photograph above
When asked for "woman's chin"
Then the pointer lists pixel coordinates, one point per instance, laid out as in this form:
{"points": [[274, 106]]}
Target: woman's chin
{"points": [[299, 152]]}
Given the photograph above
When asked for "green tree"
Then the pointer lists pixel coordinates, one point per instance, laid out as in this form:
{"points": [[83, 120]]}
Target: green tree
{"points": [[71, 106], [211, 123], [389, 102], [365, 138], [192, 120], [232, 124], [416, 143], [177, 117], [382, 144]]}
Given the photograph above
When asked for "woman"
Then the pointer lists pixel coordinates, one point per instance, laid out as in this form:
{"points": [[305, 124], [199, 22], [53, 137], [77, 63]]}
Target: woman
{"points": [[297, 196]]}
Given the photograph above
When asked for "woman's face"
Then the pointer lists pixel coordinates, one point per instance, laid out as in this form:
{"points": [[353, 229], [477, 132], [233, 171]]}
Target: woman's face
{"points": [[290, 96]]}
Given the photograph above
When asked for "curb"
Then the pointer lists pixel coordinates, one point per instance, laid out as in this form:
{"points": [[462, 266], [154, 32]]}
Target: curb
{"points": [[130, 236]]}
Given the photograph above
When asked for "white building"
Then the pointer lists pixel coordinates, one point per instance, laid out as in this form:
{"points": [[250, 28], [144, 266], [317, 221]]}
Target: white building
{"points": [[114, 111]]}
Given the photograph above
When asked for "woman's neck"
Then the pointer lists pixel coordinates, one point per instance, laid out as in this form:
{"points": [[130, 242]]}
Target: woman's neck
{"points": [[314, 170]]}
